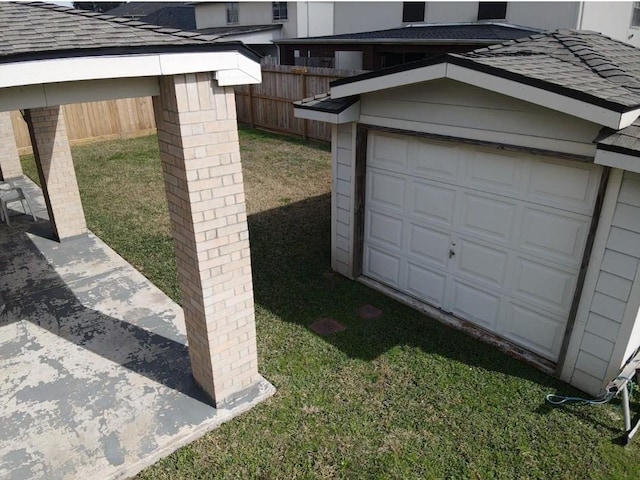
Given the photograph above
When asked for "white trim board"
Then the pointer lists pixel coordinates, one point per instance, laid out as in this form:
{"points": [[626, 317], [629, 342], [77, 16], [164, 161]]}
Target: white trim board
{"points": [[494, 83], [232, 68], [617, 160], [348, 115]]}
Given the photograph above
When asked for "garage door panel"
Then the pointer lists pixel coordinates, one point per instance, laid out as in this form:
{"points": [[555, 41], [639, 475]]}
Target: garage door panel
{"points": [[488, 218], [425, 283], [549, 286], [517, 225], [387, 191], [389, 152], [475, 304], [428, 245], [563, 185], [493, 171], [384, 228], [382, 266], [554, 235], [540, 333], [481, 263], [434, 160], [432, 203]]}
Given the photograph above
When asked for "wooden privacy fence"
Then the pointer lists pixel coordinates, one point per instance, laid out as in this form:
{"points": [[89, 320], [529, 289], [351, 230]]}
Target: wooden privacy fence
{"points": [[267, 105], [89, 122]]}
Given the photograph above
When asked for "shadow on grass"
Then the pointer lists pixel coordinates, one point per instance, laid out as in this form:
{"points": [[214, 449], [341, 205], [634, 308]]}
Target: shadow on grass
{"points": [[290, 249]]}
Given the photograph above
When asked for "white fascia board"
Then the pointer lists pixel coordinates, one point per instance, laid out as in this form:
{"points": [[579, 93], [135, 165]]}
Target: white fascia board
{"points": [[628, 118], [128, 66], [399, 79], [617, 160], [348, 115], [537, 96], [244, 72]]}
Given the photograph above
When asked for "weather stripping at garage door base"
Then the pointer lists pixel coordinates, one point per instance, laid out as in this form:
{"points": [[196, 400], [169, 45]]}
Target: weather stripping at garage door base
{"points": [[449, 320]]}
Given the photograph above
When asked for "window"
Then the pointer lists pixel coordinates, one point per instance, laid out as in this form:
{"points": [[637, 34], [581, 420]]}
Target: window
{"points": [[492, 10], [413, 11], [279, 11], [232, 12], [635, 18]]}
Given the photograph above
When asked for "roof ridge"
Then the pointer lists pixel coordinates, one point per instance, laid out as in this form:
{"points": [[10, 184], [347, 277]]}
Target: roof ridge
{"points": [[123, 21], [594, 60]]}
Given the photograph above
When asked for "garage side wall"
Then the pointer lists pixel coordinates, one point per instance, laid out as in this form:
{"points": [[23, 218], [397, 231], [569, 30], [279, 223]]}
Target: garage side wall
{"points": [[342, 202], [450, 108], [610, 334]]}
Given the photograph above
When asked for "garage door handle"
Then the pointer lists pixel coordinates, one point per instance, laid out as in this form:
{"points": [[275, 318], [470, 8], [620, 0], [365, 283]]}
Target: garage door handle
{"points": [[451, 253]]}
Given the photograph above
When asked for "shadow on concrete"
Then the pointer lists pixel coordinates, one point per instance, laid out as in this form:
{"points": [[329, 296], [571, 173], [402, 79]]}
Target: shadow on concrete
{"points": [[76, 308]]}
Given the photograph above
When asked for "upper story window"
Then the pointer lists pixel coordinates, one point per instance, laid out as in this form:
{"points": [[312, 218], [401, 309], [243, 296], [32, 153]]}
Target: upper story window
{"points": [[232, 12], [635, 17], [492, 10], [280, 11], [413, 11]]}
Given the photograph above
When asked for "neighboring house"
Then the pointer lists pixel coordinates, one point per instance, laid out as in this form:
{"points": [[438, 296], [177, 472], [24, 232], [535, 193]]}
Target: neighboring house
{"points": [[386, 48], [499, 191], [619, 20]]}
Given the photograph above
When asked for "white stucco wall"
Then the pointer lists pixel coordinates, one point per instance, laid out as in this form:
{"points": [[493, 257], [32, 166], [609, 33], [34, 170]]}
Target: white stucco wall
{"points": [[210, 15], [612, 19], [544, 15], [315, 19], [352, 17]]}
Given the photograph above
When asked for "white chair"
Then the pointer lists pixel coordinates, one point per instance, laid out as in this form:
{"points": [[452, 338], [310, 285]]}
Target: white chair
{"points": [[9, 193]]}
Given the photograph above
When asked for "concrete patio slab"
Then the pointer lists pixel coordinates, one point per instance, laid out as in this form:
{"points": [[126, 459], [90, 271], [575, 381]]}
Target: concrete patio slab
{"points": [[96, 379]]}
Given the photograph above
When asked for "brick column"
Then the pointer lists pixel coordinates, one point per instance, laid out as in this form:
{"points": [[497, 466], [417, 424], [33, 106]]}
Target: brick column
{"points": [[198, 137], [55, 168], [9, 160]]}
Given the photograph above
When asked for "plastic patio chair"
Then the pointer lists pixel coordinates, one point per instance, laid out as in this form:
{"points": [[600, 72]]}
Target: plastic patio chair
{"points": [[9, 193]]}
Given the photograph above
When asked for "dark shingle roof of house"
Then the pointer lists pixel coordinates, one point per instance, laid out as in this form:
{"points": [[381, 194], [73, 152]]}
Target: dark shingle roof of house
{"points": [[141, 9], [238, 29], [482, 33], [32, 31], [324, 103], [182, 17], [582, 65]]}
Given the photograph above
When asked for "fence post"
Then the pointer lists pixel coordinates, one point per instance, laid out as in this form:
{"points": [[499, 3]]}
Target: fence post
{"points": [[251, 121], [303, 90]]}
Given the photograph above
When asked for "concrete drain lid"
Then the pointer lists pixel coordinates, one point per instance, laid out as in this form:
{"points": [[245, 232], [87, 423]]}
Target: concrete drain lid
{"points": [[326, 326], [368, 312]]}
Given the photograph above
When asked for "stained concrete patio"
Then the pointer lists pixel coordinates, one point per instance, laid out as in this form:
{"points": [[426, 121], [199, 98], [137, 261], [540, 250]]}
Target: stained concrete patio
{"points": [[96, 379]]}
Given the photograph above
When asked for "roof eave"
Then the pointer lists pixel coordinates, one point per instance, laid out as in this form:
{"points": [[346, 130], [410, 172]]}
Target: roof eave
{"points": [[390, 41], [464, 70], [231, 67]]}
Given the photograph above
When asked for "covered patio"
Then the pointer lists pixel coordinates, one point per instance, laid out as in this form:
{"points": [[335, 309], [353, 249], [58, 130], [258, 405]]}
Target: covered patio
{"points": [[98, 380]]}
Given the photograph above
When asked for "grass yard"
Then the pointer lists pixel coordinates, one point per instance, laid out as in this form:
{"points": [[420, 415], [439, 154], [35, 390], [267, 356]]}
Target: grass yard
{"points": [[397, 397]]}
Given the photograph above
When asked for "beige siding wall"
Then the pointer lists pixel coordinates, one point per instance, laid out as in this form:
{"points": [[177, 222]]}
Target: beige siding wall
{"points": [[606, 341], [343, 168], [447, 107]]}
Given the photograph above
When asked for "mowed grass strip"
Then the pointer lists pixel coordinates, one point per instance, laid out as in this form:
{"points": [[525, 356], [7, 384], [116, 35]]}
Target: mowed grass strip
{"points": [[400, 396]]}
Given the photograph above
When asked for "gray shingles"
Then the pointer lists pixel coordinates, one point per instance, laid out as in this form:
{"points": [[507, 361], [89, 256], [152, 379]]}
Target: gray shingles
{"points": [[30, 28]]}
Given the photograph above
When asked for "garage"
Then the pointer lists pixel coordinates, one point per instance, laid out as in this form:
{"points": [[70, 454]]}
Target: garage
{"points": [[493, 237], [498, 192]]}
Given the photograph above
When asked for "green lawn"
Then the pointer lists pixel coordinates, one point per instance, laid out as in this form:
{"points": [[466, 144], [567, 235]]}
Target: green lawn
{"points": [[397, 397]]}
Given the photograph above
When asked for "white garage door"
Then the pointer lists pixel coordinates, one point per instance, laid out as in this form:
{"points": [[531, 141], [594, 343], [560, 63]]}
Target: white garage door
{"points": [[493, 237]]}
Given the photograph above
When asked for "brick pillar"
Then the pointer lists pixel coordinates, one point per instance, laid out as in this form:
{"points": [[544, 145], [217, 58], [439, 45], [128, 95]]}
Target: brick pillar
{"points": [[55, 168], [198, 137], [9, 160]]}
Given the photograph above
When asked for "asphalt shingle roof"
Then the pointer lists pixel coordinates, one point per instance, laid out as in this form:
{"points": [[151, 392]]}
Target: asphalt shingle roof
{"points": [[181, 17], [578, 64], [480, 32], [324, 103], [35, 30], [141, 9], [626, 140]]}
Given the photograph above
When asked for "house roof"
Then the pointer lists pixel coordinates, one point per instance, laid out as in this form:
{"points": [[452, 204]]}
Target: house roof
{"points": [[238, 29], [182, 17], [33, 31], [474, 33], [324, 103], [625, 141], [141, 9]]}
